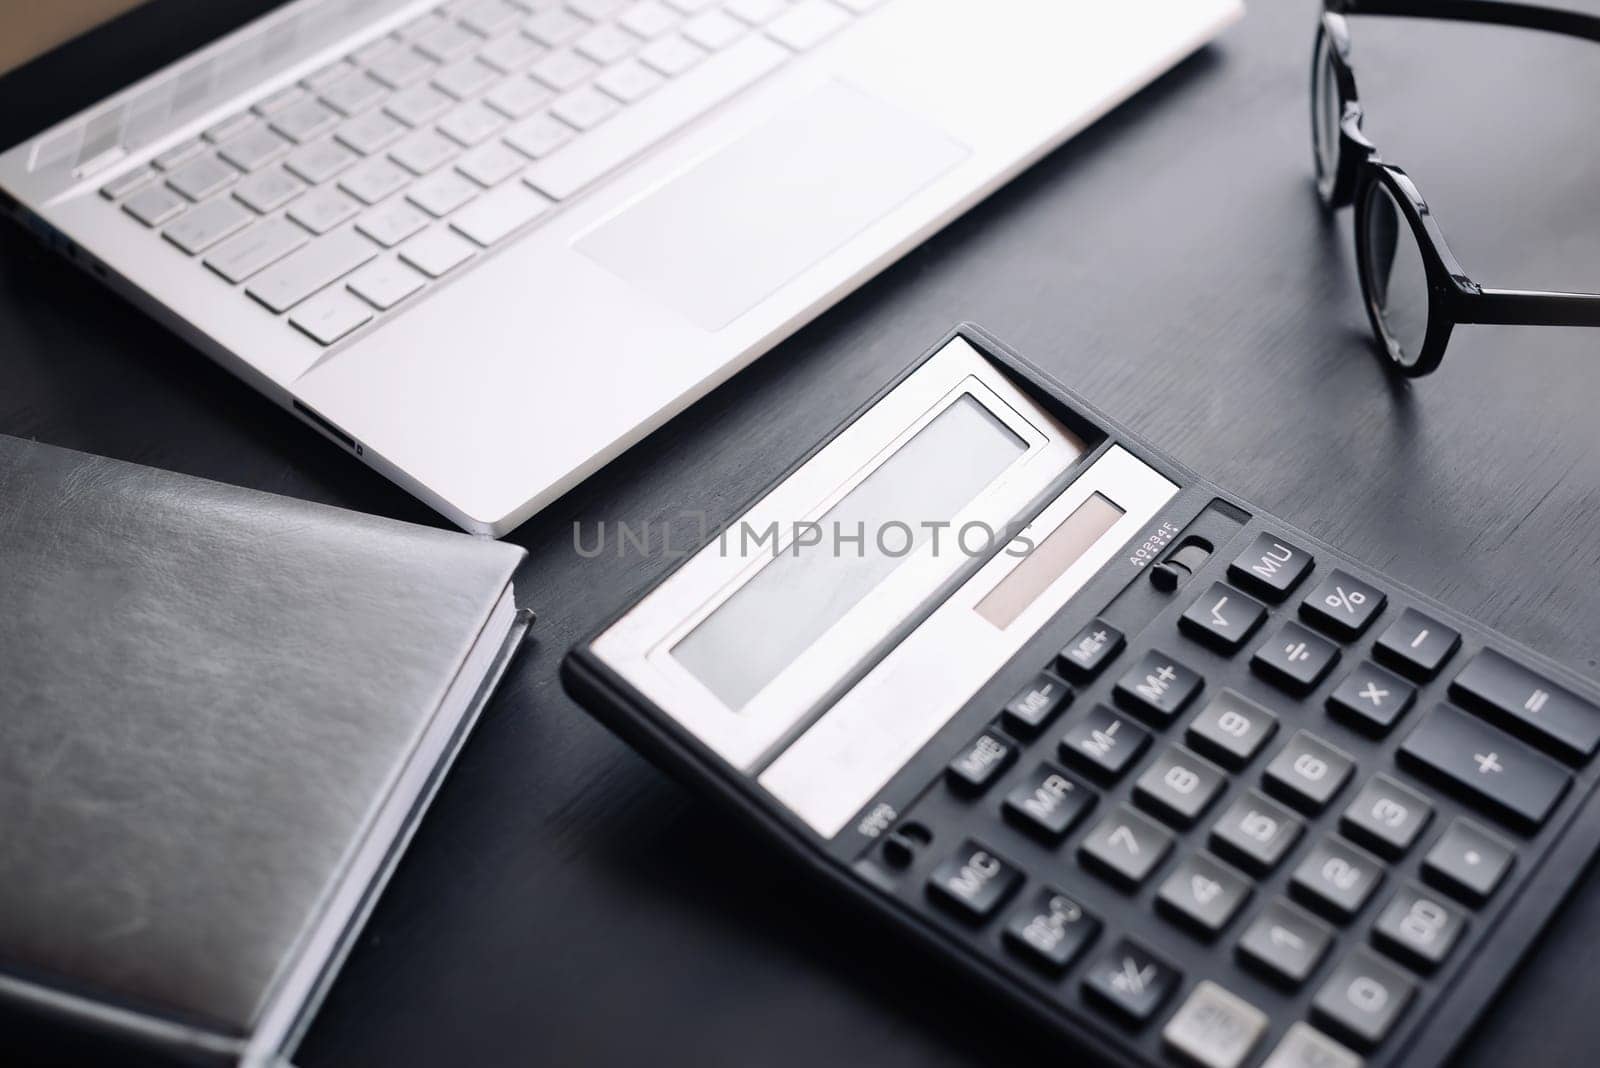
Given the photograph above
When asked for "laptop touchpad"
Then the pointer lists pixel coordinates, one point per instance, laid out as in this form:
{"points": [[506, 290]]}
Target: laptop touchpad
{"points": [[716, 240]]}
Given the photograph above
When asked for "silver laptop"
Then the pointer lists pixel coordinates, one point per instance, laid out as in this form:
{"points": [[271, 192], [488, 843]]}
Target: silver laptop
{"points": [[488, 245]]}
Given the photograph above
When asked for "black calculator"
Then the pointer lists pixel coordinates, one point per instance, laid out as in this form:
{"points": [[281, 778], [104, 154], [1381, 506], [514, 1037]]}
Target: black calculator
{"points": [[1183, 781]]}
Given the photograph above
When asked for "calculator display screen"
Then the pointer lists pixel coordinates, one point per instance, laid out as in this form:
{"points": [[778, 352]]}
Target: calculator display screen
{"points": [[743, 645]]}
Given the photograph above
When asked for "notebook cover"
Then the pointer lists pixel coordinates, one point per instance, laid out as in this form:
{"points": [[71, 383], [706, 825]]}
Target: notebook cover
{"points": [[207, 695]]}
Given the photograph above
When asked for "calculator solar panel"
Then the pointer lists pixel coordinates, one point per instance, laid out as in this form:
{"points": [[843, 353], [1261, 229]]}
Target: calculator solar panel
{"points": [[1237, 801]]}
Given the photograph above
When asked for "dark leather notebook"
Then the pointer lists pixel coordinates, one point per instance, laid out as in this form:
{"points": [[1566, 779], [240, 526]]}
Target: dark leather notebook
{"points": [[221, 714]]}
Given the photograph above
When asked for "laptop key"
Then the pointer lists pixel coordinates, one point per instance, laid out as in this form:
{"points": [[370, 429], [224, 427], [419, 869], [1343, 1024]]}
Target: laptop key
{"points": [[178, 155], [472, 123], [713, 30], [496, 214], [229, 127], [465, 78], [322, 209], [354, 94], [206, 224], [555, 26], [263, 244], [490, 164], [441, 192], [326, 260], [389, 224], [539, 136], [320, 160], [154, 205], [385, 283], [200, 178], [511, 53], [808, 24], [422, 151], [562, 70], [671, 55], [372, 180], [330, 315], [305, 120], [652, 18], [436, 252], [124, 184], [418, 105], [516, 97], [371, 132], [253, 148], [399, 68]]}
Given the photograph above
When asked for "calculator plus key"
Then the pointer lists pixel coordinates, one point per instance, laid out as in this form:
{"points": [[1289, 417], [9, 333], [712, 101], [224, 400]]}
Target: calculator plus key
{"points": [[1308, 772], [1050, 930], [1231, 729], [1157, 687], [1416, 646], [1362, 999], [1418, 929], [1090, 650], [1255, 833], [980, 764], [1131, 982], [1467, 862], [1553, 718], [1336, 879], [973, 882], [1270, 567], [1509, 779], [1125, 847], [1103, 743], [1295, 658], [1215, 1028], [1371, 699], [1285, 943], [1026, 714], [1178, 786], [1223, 618], [1048, 803], [1342, 605], [1203, 895]]}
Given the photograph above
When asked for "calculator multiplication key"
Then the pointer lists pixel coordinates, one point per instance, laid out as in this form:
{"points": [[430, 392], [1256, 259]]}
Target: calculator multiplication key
{"points": [[1125, 847], [1103, 743], [1203, 895], [1386, 816], [1303, 1046], [974, 882], [1131, 981], [1089, 651], [1371, 699], [1295, 658], [1512, 781], [1048, 803], [1467, 862], [1215, 1028], [1050, 930], [1285, 943], [1158, 687], [1270, 567], [1231, 729], [1416, 645], [1418, 929], [1308, 772], [1342, 605], [1039, 702], [1363, 999], [1336, 879], [1223, 618], [1255, 833], [980, 764], [1178, 786], [1553, 718]]}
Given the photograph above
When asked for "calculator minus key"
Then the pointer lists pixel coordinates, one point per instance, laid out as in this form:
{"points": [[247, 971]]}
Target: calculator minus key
{"points": [[973, 882], [1090, 650], [1270, 567], [1511, 780], [976, 767], [1416, 645], [1158, 687], [1552, 717], [1035, 705]]}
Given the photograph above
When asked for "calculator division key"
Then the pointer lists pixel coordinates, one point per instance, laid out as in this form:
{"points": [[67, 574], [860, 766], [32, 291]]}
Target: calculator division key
{"points": [[1255, 833], [1303, 1046], [1223, 618], [1048, 803], [1215, 1028], [1418, 929], [1511, 780], [1342, 605], [1555, 719], [980, 764], [1467, 862], [1415, 645], [1270, 567], [1295, 658], [1103, 743], [1371, 699], [1125, 847], [1285, 944], [1090, 650], [1308, 772], [1039, 702], [1386, 816], [1363, 999], [1131, 982], [1203, 895], [973, 882], [1157, 687], [1231, 729], [1178, 786], [1050, 930], [1336, 879]]}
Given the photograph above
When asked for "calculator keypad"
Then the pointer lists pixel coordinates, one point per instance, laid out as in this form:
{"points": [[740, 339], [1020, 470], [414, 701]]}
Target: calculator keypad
{"points": [[1285, 819]]}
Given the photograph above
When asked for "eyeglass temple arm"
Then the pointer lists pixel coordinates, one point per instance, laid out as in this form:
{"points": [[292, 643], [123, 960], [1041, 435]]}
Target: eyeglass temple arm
{"points": [[1519, 307], [1526, 16]]}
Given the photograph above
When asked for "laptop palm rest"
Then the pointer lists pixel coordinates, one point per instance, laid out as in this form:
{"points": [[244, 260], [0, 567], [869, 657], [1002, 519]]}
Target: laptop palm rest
{"points": [[719, 238]]}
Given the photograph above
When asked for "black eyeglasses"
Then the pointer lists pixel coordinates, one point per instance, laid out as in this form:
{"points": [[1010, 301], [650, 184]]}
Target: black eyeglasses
{"points": [[1415, 291]]}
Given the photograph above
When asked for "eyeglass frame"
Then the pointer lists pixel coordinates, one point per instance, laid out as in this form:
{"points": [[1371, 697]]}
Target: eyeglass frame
{"points": [[1453, 297]]}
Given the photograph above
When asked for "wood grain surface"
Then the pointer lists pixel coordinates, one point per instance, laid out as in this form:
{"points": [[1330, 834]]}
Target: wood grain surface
{"points": [[564, 903]]}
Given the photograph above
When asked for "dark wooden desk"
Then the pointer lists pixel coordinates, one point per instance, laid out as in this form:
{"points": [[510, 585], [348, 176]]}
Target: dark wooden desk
{"points": [[564, 903]]}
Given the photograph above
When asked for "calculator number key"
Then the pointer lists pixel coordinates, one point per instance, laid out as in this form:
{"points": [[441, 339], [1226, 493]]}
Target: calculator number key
{"points": [[1178, 786], [1308, 772], [1342, 605], [1467, 862], [1050, 930], [1231, 729], [1048, 803], [1157, 687], [980, 764], [1223, 618], [1509, 779], [1103, 743], [1418, 929], [1295, 659], [1270, 567], [1090, 650], [1215, 1028], [1285, 943], [1371, 699], [1203, 895], [1416, 646], [974, 882], [1386, 816], [1131, 982], [1125, 847], [1362, 999], [1255, 833], [1336, 879]]}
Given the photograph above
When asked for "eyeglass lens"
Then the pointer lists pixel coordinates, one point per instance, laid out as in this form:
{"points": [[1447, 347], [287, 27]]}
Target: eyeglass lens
{"points": [[1397, 280]]}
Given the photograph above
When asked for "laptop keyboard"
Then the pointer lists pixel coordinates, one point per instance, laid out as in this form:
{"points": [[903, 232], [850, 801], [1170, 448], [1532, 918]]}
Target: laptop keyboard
{"points": [[332, 201]]}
